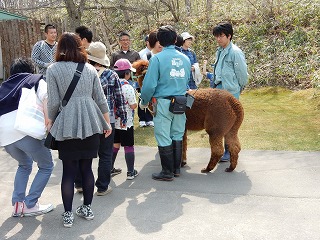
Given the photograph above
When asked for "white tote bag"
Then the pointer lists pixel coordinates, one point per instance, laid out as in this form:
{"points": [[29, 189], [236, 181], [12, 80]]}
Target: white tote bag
{"points": [[197, 75], [30, 116]]}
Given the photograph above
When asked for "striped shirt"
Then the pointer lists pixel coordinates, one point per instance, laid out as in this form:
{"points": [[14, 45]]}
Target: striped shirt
{"points": [[43, 55]]}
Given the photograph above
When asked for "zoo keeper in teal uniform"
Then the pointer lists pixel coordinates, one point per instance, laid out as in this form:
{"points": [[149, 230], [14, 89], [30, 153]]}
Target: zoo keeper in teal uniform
{"points": [[168, 75]]}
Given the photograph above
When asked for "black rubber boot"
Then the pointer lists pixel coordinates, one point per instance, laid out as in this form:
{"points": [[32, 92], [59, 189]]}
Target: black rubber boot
{"points": [[177, 156], [166, 157]]}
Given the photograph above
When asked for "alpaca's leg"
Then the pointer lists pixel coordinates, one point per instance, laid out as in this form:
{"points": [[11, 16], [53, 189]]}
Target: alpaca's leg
{"points": [[216, 152], [184, 149], [234, 146]]}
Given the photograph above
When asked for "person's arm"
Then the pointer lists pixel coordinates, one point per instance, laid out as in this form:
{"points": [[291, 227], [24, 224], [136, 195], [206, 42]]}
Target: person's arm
{"points": [[53, 95], [112, 60], [150, 81], [130, 96], [133, 106], [43, 96], [195, 61], [107, 132], [119, 99], [240, 68], [36, 56], [137, 56], [204, 67], [101, 101]]}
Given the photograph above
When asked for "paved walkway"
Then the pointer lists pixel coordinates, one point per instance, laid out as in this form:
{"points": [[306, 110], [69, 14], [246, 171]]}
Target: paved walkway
{"points": [[270, 195]]}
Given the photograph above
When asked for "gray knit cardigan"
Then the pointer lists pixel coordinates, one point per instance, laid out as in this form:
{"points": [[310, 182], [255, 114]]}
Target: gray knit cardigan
{"points": [[83, 115]]}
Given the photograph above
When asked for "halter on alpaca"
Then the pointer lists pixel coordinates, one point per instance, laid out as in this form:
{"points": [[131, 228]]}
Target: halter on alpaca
{"points": [[216, 111]]}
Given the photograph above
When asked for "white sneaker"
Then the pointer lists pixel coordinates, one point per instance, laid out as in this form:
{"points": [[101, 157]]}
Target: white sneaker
{"points": [[17, 209], [150, 124], [142, 124], [38, 209]]}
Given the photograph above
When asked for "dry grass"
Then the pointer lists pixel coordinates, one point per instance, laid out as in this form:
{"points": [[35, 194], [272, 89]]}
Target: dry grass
{"points": [[275, 119]]}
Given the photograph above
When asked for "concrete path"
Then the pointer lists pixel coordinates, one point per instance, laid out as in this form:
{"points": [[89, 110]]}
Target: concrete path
{"points": [[270, 195]]}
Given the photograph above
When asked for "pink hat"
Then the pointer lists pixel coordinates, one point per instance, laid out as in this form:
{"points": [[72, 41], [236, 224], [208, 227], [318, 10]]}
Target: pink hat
{"points": [[123, 64]]}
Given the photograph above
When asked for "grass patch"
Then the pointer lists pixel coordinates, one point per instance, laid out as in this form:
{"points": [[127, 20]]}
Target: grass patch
{"points": [[275, 119]]}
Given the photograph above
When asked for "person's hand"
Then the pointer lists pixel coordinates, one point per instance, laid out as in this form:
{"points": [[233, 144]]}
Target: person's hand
{"points": [[204, 67], [122, 125], [48, 124], [142, 107], [107, 132]]}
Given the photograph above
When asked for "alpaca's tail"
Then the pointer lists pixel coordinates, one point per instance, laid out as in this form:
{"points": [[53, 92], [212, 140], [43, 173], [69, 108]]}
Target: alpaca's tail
{"points": [[238, 111]]}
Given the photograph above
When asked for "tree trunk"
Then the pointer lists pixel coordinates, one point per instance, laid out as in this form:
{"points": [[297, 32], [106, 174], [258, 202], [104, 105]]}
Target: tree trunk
{"points": [[125, 12], [74, 13], [172, 8], [209, 6], [188, 7]]}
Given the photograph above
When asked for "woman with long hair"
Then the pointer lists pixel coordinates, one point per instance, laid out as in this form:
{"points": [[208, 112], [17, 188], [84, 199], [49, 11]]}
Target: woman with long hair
{"points": [[77, 125]]}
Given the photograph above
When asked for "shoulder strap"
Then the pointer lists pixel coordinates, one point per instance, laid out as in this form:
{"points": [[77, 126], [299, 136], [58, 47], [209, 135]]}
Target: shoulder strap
{"points": [[73, 84]]}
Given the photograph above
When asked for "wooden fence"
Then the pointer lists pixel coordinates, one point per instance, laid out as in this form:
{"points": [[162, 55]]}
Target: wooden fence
{"points": [[17, 39]]}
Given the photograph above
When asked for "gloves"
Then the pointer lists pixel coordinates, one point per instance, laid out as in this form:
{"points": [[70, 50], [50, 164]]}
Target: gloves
{"points": [[142, 107]]}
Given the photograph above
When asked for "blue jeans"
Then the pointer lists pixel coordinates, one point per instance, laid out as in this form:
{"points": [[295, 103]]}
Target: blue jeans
{"points": [[168, 126], [236, 95], [25, 151], [105, 161], [192, 84]]}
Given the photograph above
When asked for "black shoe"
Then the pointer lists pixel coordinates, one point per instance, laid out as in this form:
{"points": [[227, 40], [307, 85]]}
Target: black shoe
{"points": [[176, 172], [162, 176], [132, 175], [115, 171]]}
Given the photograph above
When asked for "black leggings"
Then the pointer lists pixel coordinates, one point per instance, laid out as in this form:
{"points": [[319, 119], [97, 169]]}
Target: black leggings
{"points": [[67, 183]]}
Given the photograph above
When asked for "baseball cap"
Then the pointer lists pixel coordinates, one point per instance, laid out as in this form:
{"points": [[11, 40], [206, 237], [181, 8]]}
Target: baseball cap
{"points": [[123, 64], [186, 35]]}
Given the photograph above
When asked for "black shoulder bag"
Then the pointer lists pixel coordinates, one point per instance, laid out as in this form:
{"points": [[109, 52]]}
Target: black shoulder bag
{"points": [[50, 141]]}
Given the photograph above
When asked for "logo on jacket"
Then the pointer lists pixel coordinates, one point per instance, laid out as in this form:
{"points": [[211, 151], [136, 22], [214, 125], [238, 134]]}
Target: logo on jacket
{"points": [[176, 62], [177, 73]]}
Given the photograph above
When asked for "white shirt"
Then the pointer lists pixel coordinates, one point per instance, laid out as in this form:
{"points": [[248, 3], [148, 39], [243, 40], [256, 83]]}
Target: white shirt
{"points": [[145, 57], [144, 51], [130, 98]]}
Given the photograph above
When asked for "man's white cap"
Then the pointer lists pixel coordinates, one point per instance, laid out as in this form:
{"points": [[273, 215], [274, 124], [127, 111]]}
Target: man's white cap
{"points": [[186, 35]]}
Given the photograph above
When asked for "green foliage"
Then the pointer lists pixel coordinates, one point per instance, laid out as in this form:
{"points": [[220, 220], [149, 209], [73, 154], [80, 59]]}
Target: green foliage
{"points": [[279, 38]]}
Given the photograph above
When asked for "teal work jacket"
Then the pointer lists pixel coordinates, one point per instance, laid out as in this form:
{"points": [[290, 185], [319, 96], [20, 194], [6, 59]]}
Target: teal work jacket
{"points": [[231, 68], [168, 75]]}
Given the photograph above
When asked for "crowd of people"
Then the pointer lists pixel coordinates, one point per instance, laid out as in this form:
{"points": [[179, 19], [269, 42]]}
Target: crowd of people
{"points": [[102, 101]]}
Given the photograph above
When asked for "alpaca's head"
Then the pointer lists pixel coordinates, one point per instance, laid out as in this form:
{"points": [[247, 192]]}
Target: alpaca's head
{"points": [[141, 67]]}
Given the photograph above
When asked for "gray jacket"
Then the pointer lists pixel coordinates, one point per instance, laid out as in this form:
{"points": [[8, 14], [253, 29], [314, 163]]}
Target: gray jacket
{"points": [[83, 115]]}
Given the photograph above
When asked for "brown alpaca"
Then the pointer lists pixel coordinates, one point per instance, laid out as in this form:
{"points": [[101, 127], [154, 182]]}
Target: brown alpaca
{"points": [[216, 111]]}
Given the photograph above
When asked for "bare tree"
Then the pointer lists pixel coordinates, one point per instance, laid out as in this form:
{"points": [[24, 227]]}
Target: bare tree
{"points": [[188, 7], [209, 6], [125, 11], [173, 6], [74, 12]]}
